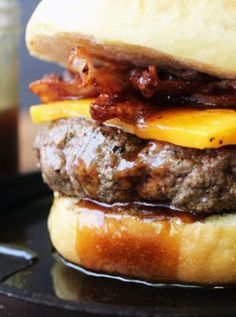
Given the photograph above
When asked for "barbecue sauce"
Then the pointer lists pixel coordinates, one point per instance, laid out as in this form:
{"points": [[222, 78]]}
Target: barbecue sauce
{"points": [[146, 244]]}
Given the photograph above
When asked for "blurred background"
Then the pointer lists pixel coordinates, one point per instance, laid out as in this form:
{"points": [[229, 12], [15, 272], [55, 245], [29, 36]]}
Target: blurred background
{"points": [[17, 70], [30, 69]]}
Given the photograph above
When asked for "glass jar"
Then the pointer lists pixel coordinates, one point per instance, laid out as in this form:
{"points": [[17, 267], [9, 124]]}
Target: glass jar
{"points": [[9, 66]]}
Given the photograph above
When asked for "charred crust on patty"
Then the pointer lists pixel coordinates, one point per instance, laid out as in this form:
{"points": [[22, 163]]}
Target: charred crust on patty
{"points": [[108, 164]]}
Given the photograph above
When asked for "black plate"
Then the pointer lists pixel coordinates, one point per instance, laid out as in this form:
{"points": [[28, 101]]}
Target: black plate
{"points": [[46, 287]]}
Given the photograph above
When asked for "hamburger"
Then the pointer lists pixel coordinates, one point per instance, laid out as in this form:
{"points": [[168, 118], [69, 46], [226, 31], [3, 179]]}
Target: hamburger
{"points": [[139, 147]]}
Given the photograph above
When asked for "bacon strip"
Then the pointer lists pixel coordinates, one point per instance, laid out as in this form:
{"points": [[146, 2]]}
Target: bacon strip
{"points": [[128, 111], [106, 79], [83, 80], [52, 88], [149, 84], [125, 91]]}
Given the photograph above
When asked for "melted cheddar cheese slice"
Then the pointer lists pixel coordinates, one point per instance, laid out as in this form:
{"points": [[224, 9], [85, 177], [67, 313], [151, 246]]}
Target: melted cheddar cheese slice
{"points": [[196, 128]]}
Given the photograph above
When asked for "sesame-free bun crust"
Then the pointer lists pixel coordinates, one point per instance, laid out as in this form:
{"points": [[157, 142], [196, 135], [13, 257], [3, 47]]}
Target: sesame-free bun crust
{"points": [[152, 248], [200, 34]]}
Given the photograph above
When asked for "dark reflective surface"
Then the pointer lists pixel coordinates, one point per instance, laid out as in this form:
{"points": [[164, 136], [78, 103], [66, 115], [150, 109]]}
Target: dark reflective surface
{"points": [[14, 259], [50, 283]]}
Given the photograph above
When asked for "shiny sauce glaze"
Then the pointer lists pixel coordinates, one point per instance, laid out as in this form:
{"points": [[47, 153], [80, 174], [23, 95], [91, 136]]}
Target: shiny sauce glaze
{"points": [[131, 239]]}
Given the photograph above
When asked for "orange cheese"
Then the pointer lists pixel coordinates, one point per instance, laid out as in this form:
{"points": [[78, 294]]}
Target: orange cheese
{"points": [[196, 128]]}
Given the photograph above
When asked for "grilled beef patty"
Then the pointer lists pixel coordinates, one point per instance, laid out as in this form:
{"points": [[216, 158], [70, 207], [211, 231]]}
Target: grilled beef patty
{"points": [[82, 159]]}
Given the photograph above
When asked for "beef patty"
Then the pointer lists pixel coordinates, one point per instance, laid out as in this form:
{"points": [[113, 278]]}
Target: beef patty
{"points": [[82, 159]]}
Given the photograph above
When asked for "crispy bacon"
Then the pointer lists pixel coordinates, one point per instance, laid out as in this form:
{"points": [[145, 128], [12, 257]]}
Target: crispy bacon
{"points": [[200, 89], [220, 86], [225, 100], [125, 91], [129, 111], [108, 78], [83, 81], [149, 84], [185, 74], [52, 88], [216, 94]]}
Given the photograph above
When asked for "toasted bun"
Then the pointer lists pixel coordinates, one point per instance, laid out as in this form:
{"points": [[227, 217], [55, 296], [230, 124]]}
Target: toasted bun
{"points": [[200, 252], [198, 34]]}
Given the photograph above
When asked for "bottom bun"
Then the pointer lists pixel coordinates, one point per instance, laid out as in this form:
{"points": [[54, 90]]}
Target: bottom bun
{"points": [[145, 246]]}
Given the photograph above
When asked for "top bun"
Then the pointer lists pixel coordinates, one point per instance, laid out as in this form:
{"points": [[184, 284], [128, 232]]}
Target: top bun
{"points": [[199, 34]]}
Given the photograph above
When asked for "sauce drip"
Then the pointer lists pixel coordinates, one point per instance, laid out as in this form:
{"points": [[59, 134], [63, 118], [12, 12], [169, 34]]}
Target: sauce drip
{"points": [[144, 210], [112, 238]]}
